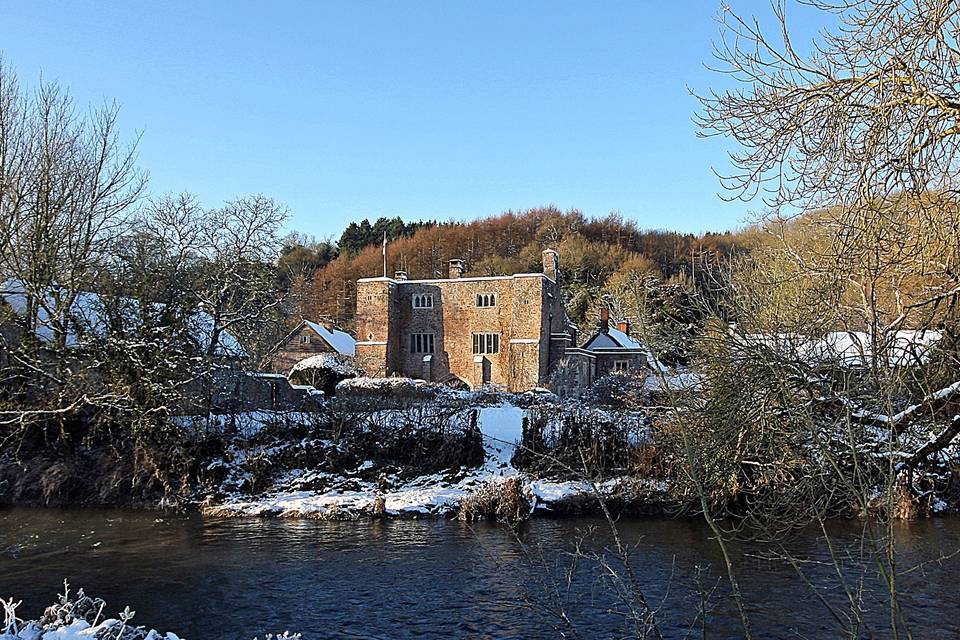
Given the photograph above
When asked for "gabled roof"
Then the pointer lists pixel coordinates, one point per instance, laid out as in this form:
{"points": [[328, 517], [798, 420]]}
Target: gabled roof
{"points": [[340, 341], [88, 315], [612, 339], [902, 348]]}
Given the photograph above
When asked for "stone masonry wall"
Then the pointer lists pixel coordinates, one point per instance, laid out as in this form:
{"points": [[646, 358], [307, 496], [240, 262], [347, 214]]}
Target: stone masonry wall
{"points": [[529, 317], [455, 317], [376, 327]]}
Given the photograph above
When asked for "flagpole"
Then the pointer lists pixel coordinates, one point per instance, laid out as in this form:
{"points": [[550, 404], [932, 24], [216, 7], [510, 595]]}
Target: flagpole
{"points": [[384, 254]]}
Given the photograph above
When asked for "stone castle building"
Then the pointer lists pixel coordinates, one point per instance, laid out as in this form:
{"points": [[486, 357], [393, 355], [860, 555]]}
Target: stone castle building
{"points": [[507, 331]]}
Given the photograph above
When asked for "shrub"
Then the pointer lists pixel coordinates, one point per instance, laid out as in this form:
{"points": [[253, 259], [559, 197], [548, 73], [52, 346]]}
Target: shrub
{"points": [[498, 500]]}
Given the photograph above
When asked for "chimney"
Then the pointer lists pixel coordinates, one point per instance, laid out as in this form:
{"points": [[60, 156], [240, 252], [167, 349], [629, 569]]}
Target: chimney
{"points": [[604, 320], [456, 269], [400, 275], [624, 327], [551, 263], [326, 322]]}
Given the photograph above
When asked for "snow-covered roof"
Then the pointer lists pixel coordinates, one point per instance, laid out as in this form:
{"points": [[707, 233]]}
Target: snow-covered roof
{"points": [[853, 348], [340, 341], [612, 339], [88, 316], [200, 325]]}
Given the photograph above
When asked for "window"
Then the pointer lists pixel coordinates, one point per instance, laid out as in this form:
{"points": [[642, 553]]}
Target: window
{"points": [[486, 299], [485, 343], [304, 339], [621, 366], [421, 343], [423, 301]]}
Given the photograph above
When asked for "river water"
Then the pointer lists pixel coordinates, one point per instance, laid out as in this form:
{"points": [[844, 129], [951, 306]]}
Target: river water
{"points": [[238, 578]]}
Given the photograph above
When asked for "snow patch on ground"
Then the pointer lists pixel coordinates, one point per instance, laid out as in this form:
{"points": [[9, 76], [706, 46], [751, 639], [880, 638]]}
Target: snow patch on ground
{"points": [[439, 494], [435, 494], [79, 630]]}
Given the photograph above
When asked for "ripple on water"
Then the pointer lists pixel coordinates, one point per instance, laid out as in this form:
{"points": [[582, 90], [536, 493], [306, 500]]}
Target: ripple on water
{"points": [[210, 578]]}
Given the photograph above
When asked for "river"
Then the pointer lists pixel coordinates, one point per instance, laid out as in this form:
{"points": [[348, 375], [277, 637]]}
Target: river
{"points": [[238, 578]]}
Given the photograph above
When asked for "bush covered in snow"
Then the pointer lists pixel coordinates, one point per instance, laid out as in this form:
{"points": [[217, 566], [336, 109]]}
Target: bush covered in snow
{"points": [[323, 371], [80, 617], [397, 391]]}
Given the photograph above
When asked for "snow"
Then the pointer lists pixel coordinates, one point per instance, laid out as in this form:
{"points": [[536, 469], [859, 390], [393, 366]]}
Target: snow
{"points": [[247, 424], [326, 361], [502, 428], [201, 324], [666, 379], [612, 338], [80, 630], [546, 491], [623, 339], [88, 315], [435, 494], [87, 312], [340, 341], [853, 348], [380, 384], [439, 494]]}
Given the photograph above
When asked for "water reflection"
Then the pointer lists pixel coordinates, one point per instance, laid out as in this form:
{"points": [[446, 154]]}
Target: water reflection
{"points": [[427, 579]]}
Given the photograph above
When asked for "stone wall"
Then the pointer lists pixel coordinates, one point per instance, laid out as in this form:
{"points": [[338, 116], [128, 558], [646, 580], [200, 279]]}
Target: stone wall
{"points": [[605, 362], [376, 327], [528, 316]]}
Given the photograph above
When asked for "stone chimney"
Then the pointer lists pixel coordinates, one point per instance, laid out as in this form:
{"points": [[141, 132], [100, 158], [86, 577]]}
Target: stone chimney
{"points": [[400, 275], [604, 320], [624, 327], [326, 322], [551, 263], [456, 269]]}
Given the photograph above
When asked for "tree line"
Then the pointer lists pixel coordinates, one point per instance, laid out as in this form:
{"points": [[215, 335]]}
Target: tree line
{"points": [[592, 250]]}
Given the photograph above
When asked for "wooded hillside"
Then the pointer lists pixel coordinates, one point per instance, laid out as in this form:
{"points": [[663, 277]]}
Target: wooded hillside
{"points": [[591, 251]]}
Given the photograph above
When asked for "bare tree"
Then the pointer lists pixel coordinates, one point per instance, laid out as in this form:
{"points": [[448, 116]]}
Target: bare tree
{"points": [[821, 398], [225, 258], [67, 189]]}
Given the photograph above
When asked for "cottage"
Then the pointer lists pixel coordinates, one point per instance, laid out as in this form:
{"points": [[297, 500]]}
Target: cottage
{"points": [[609, 350], [507, 331], [310, 339]]}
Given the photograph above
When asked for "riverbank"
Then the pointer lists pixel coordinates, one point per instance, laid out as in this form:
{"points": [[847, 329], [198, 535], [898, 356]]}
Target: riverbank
{"points": [[402, 449], [376, 450], [369, 492]]}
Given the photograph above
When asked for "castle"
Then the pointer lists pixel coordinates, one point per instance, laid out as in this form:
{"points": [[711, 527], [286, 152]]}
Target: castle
{"points": [[508, 331]]}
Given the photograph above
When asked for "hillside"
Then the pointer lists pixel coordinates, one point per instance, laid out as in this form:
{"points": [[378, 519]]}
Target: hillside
{"points": [[591, 251]]}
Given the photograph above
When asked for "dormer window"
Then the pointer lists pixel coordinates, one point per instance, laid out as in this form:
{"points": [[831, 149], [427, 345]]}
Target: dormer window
{"points": [[423, 301], [486, 300]]}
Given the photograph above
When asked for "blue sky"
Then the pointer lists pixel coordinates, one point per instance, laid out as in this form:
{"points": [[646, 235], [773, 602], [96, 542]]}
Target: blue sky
{"points": [[426, 110]]}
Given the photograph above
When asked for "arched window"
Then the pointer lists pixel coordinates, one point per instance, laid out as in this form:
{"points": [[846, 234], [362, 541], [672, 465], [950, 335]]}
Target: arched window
{"points": [[423, 301], [486, 299]]}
